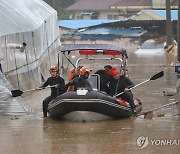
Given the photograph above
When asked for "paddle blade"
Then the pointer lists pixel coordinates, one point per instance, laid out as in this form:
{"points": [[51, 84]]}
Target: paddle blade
{"points": [[158, 75], [16, 93]]}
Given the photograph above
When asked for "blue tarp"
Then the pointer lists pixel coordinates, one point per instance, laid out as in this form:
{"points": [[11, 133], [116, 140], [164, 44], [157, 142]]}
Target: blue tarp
{"points": [[77, 24], [114, 31], [107, 33], [162, 13], [98, 37]]}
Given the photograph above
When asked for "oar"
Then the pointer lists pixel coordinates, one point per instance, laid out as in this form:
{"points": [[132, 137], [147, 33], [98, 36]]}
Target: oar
{"points": [[154, 77], [16, 93]]}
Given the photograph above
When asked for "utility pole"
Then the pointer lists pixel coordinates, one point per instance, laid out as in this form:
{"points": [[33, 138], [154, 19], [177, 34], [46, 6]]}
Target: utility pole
{"points": [[178, 33], [178, 49], [168, 23]]}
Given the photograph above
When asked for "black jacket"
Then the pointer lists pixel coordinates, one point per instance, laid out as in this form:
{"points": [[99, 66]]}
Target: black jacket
{"points": [[79, 82], [104, 80], [124, 82], [53, 81]]}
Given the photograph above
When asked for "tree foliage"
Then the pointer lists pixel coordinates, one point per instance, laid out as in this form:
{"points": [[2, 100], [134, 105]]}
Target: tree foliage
{"points": [[60, 6]]}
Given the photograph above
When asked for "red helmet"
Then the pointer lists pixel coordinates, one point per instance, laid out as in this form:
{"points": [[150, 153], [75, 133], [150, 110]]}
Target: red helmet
{"points": [[84, 70], [54, 69], [113, 71]]}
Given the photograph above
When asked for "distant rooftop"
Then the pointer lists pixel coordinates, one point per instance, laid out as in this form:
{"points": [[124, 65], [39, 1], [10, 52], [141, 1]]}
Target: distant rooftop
{"points": [[106, 33], [134, 3], [114, 31], [107, 4], [154, 15]]}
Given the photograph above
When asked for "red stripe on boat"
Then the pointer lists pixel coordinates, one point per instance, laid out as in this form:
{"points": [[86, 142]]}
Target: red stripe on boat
{"points": [[122, 102]]}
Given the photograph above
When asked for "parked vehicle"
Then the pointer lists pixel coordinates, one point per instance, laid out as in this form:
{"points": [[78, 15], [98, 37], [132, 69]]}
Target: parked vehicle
{"points": [[151, 48]]}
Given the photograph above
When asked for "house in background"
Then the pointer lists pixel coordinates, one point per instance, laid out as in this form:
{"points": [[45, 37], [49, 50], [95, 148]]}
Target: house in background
{"points": [[113, 9], [93, 9]]}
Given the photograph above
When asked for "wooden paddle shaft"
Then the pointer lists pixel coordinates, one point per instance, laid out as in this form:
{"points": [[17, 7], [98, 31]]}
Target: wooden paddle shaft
{"points": [[133, 87], [38, 89]]}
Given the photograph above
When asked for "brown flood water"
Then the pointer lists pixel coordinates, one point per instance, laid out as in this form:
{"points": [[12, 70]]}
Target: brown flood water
{"points": [[31, 134]]}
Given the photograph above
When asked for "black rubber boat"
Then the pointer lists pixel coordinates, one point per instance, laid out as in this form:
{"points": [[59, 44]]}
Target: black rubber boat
{"points": [[94, 102]]}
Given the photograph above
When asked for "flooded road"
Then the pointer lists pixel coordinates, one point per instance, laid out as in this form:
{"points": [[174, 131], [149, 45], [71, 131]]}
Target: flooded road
{"points": [[32, 134]]}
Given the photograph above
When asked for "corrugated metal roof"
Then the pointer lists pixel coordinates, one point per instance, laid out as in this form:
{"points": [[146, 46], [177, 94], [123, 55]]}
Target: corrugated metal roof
{"points": [[114, 31], [22, 15], [98, 37], [107, 33], [77, 24]]}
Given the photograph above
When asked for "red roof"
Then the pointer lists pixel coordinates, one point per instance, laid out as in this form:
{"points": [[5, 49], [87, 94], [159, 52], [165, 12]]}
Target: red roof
{"points": [[134, 3], [174, 3], [92, 5]]}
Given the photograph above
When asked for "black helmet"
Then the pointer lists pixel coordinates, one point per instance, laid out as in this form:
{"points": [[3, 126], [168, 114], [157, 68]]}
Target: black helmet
{"points": [[108, 66]]}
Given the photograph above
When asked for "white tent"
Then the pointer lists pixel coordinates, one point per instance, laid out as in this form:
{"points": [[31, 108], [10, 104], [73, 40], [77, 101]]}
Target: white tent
{"points": [[29, 39]]}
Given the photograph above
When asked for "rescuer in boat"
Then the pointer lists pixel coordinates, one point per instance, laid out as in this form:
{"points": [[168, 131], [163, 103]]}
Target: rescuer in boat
{"points": [[74, 72], [104, 78], [58, 89], [120, 83], [80, 82]]}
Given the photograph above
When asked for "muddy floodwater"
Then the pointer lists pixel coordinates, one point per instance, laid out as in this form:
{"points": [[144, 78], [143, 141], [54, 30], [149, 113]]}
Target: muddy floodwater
{"points": [[31, 134]]}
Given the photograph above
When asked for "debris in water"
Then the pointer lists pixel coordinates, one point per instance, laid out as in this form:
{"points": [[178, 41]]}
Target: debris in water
{"points": [[148, 115], [83, 120], [169, 93], [14, 118], [160, 115]]}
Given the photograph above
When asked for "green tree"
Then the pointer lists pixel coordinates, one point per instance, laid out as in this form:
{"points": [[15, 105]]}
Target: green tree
{"points": [[60, 6]]}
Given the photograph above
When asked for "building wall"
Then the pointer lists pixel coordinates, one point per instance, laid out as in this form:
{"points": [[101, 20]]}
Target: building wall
{"points": [[114, 14], [159, 3]]}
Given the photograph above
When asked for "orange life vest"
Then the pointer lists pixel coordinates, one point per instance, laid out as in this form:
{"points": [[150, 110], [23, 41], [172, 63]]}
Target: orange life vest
{"points": [[70, 76]]}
